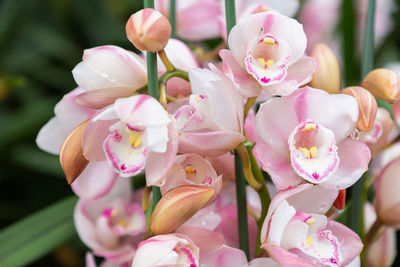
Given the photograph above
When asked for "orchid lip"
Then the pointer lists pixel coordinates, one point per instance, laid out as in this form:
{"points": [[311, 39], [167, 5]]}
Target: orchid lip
{"points": [[313, 152]]}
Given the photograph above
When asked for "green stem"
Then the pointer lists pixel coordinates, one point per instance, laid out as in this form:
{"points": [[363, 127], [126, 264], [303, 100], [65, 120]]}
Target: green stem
{"points": [[359, 190], [152, 77], [175, 73], [172, 17], [263, 194], [241, 207], [230, 12], [241, 202], [368, 51], [348, 29]]}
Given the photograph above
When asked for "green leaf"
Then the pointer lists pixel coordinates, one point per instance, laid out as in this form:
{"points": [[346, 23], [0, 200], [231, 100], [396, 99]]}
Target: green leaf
{"points": [[38, 234]]}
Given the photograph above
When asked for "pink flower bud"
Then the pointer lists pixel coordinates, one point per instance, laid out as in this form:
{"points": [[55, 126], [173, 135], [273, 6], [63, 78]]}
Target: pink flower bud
{"points": [[367, 106], [177, 206], [148, 30], [387, 198], [71, 154], [327, 76], [383, 84]]}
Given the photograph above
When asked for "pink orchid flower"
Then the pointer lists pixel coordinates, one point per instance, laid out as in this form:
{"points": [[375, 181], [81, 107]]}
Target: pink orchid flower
{"points": [[195, 19], [167, 250], [211, 124], [107, 73], [295, 237], [267, 52], [130, 133], [192, 169], [309, 140], [245, 8], [113, 225], [383, 251]]}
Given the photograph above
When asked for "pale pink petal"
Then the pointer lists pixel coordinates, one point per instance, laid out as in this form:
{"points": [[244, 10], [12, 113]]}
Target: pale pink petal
{"points": [[68, 115], [95, 181], [209, 144], [224, 165], [396, 112], [229, 115], [224, 256], [93, 138], [243, 82], [199, 21], [180, 55], [277, 165], [109, 67], [100, 98], [387, 198], [141, 111], [263, 262], [249, 127], [286, 258], [316, 199], [177, 87], [354, 158], [274, 130], [89, 260], [206, 219], [338, 113], [281, 196], [350, 243], [158, 164], [298, 74], [229, 227], [205, 239]]}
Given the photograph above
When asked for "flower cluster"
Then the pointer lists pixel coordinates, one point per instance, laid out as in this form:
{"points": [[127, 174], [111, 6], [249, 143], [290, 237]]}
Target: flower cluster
{"points": [[282, 112]]}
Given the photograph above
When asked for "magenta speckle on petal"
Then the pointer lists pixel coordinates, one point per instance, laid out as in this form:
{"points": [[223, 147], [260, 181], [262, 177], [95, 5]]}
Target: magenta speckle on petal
{"points": [[265, 80], [315, 176], [116, 137], [123, 167], [107, 212]]}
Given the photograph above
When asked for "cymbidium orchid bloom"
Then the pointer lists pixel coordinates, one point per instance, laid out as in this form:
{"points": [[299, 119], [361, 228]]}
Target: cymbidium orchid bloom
{"points": [[295, 237], [134, 131], [211, 124], [113, 225], [167, 250], [309, 140], [192, 169], [245, 8], [109, 72], [267, 52]]}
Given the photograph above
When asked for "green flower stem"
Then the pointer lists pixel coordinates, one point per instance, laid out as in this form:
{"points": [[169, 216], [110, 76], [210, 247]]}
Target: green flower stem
{"points": [[241, 207], [230, 13], [172, 14], [359, 190], [348, 28], [263, 194], [152, 77]]}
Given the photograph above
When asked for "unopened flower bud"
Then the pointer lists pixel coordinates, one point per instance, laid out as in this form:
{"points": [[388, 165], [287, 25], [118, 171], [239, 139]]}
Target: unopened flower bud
{"points": [[383, 84], [71, 154], [387, 197], [327, 76], [177, 206], [148, 30], [367, 106]]}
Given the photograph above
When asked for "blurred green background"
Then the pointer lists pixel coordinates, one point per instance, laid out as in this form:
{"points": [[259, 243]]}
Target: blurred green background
{"points": [[40, 43]]}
